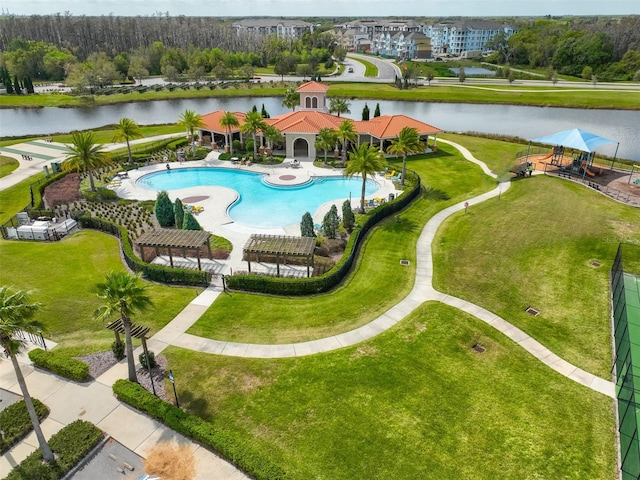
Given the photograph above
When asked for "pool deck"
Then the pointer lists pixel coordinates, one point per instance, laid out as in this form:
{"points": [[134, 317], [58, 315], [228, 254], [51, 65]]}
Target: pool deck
{"points": [[214, 217]]}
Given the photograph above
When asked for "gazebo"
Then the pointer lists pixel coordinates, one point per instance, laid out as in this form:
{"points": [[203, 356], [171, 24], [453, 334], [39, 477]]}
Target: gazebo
{"points": [[281, 247], [172, 240]]}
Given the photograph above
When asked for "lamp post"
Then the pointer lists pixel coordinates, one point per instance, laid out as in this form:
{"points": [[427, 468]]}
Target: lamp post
{"points": [[173, 383]]}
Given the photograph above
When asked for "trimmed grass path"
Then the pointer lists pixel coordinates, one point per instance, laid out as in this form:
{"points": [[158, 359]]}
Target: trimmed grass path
{"points": [[173, 333]]}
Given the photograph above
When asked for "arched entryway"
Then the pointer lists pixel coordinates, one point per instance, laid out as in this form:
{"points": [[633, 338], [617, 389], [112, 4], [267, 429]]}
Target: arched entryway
{"points": [[300, 148]]}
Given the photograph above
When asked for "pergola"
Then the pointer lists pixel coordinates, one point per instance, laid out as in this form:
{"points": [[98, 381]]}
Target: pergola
{"points": [[181, 240], [280, 246]]}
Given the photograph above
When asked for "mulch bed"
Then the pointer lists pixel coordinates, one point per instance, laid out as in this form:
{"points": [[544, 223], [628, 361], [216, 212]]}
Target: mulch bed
{"points": [[102, 361]]}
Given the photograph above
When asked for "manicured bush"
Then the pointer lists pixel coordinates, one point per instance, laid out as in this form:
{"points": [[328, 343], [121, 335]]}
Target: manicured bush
{"points": [[235, 451], [224, 156], [178, 212], [70, 445], [147, 361], [237, 146], [164, 210], [307, 229], [348, 218], [330, 222], [15, 422], [190, 222], [118, 350], [63, 365]]}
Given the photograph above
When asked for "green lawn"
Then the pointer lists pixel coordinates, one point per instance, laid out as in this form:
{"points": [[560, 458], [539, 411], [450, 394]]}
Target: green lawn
{"points": [[7, 165], [64, 274], [533, 248], [14, 198], [414, 402], [466, 93], [370, 69], [373, 287]]}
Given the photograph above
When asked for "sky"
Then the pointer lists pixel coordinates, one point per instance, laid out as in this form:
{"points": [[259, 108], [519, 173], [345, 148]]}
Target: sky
{"points": [[324, 8]]}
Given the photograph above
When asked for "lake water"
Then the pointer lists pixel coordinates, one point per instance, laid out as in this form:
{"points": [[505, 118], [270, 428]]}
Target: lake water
{"points": [[524, 122]]}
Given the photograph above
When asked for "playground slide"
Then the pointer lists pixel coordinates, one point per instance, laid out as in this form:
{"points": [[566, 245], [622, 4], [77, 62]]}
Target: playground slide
{"points": [[588, 172]]}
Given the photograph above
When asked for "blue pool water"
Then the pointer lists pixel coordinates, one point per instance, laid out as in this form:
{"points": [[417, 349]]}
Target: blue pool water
{"points": [[259, 204]]}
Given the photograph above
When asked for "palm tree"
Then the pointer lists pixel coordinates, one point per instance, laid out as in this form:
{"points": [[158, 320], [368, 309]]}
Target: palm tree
{"points": [[229, 120], [123, 294], [408, 142], [326, 140], [191, 120], [253, 123], [291, 99], [16, 315], [339, 106], [272, 135], [366, 160], [84, 155], [127, 129], [346, 133]]}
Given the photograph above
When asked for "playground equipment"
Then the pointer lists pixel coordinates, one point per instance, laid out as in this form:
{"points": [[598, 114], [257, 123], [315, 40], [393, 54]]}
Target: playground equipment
{"points": [[557, 155]]}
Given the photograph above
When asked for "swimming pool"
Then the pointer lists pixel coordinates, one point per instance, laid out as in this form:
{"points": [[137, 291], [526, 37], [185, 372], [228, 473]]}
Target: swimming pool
{"points": [[260, 204]]}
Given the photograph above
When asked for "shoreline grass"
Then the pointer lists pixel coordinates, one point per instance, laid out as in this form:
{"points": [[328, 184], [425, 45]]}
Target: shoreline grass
{"points": [[565, 97], [7, 165]]}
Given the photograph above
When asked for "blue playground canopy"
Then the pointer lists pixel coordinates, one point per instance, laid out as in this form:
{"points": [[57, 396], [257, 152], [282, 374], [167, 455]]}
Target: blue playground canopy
{"points": [[576, 138]]}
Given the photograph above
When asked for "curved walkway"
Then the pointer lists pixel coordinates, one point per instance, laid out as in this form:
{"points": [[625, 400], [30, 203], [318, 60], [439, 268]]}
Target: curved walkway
{"points": [[174, 332]]}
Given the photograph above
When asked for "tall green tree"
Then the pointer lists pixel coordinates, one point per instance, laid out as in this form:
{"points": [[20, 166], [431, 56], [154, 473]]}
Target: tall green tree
{"points": [[408, 142], [191, 120], [291, 99], [178, 213], [338, 106], [164, 210], [331, 222], [16, 316], [127, 129], [365, 112], [85, 155], [190, 222], [123, 294], [376, 112], [348, 218], [253, 123], [346, 133], [228, 121], [365, 161], [307, 228]]}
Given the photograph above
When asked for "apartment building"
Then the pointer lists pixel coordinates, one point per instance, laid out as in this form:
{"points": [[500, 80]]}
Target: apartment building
{"points": [[283, 28], [464, 36]]}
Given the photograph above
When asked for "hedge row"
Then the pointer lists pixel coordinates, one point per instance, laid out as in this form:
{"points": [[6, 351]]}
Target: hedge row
{"points": [[70, 445], [324, 283], [157, 273], [237, 452], [15, 422], [63, 365]]}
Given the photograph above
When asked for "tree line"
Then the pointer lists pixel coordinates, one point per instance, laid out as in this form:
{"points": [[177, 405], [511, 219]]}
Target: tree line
{"points": [[606, 48]]}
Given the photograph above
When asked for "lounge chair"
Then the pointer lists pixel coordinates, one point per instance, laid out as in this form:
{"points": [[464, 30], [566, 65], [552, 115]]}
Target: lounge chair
{"points": [[391, 174], [197, 208]]}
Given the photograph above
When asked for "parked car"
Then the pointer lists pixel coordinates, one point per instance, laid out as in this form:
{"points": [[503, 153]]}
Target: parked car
{"points": [[350, 70]]}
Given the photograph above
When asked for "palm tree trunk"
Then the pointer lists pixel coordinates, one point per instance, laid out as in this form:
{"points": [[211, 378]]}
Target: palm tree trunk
{"points": [[129, 150], [126, 322], [255, 147], [229, 140], [91, 182], [364, 190], [47, 454], [404, 169], [325, 157]]}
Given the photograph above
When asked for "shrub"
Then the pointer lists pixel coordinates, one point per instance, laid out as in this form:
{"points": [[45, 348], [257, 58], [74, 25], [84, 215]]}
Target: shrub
{"points": [[330, 222], [248, 145], [16, 424], [147, 361], [190, 222], [118, 350], [101, 194], [164, 210], [348, 218], [237, 146], [236, 451], [178, 212], [70, 445], [224, 156], [307, 229], [64, 366]]}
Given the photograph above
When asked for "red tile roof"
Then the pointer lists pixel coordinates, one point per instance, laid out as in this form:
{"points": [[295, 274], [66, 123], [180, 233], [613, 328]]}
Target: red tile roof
{"points": [[212, 121], [313, 87]]}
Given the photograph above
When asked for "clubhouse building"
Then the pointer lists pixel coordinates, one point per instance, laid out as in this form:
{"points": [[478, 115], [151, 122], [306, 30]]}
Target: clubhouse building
{"points": [[300, 128]]}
